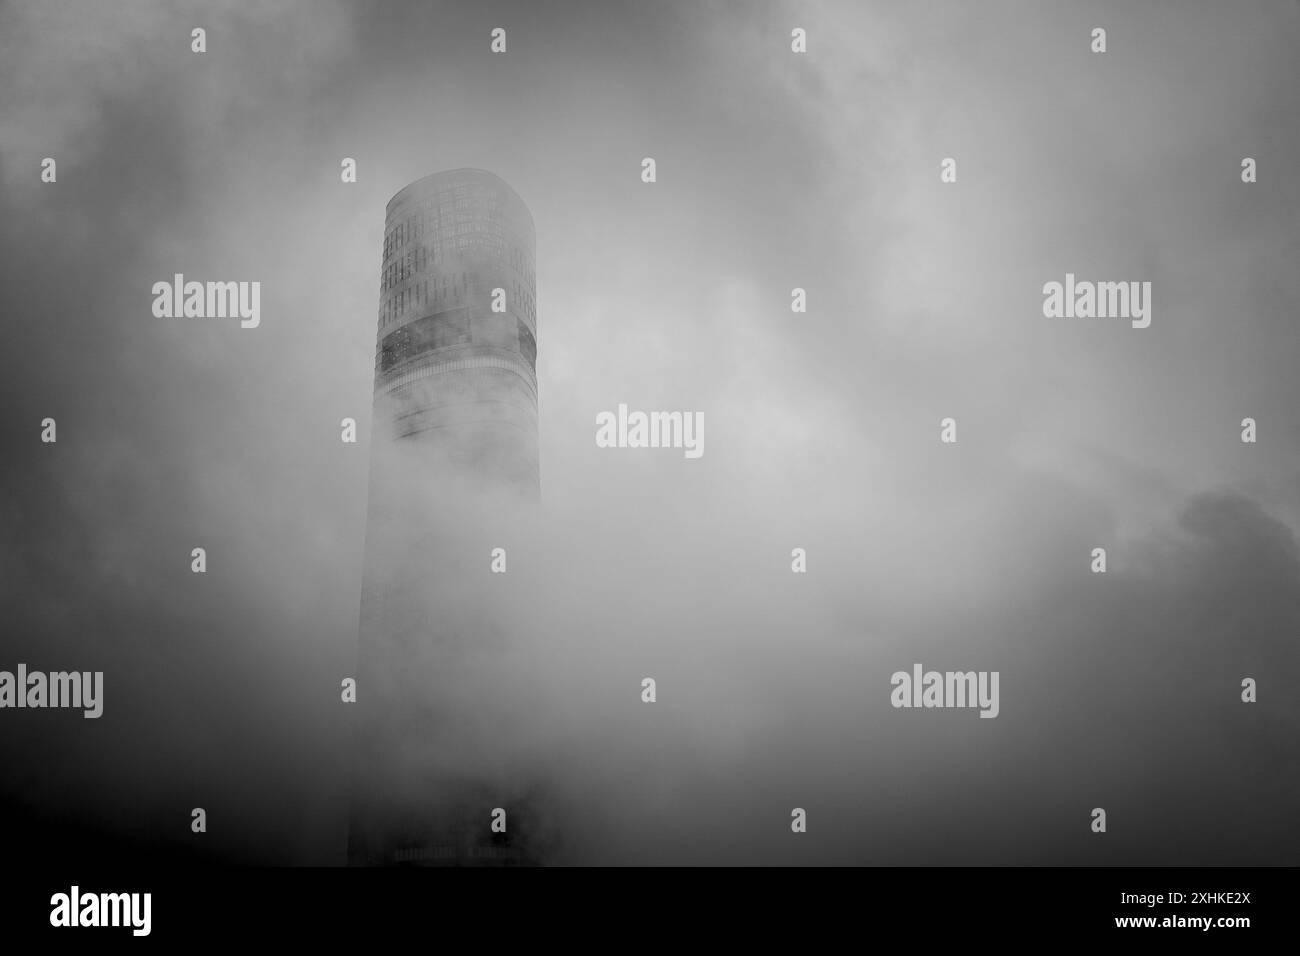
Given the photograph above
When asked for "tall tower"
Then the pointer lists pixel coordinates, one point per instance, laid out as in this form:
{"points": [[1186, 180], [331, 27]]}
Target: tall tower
{"points": [[454, 427], [456, 349]]}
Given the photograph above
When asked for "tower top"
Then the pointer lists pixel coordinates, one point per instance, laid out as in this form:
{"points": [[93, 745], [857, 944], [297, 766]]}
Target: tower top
{"points": [[449, 177]]}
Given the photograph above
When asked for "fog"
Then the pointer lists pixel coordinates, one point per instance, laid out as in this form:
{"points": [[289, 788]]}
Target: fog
{"points": [[222, 690]]}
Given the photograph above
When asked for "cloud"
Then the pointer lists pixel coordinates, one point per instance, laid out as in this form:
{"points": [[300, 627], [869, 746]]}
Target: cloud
{"points": [[222, 690]]}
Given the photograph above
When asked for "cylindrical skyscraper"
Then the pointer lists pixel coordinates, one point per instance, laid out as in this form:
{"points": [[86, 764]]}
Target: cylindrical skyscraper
{"points": [[456, 349], [454, 449]]}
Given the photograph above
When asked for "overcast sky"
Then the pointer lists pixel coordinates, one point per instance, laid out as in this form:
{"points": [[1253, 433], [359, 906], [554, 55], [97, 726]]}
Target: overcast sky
{"points": [[775, 170]]}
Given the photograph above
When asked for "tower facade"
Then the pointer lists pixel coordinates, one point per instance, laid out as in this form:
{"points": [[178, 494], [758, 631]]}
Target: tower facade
{"points": [[454, 447], [456, 346]]}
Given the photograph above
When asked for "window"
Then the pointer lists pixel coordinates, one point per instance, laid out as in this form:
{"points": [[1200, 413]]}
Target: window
{"points": [[425, 335], [527, 344]]}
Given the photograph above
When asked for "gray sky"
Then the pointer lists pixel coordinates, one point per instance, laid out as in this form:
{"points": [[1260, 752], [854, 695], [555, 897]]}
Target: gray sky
{"points": [[774, 171]]}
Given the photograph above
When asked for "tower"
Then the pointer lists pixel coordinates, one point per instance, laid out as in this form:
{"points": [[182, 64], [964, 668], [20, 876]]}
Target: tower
{"points": [[454, 438], [456, 348]]}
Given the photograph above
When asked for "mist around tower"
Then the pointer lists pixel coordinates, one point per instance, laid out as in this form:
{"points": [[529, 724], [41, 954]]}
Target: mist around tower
{"points": [[474, 468]]}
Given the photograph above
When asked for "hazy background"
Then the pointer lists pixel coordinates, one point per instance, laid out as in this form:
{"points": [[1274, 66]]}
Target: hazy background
{"points": [[821, 430]]}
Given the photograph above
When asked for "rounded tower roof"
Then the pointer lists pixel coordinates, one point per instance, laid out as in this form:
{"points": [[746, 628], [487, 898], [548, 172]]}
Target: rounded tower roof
{"points": [[447, 177]]}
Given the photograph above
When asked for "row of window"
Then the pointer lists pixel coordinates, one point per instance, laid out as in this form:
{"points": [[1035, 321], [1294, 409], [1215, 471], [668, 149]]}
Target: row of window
{"points": [[444, 330], [443, 210], [422, 257], [426, 294], [425, 335], [419, 294], [463, 237], [462, 223]]}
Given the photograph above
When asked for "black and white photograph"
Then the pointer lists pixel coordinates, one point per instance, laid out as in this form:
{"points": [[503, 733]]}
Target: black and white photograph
{"points": [[613, 435]]}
